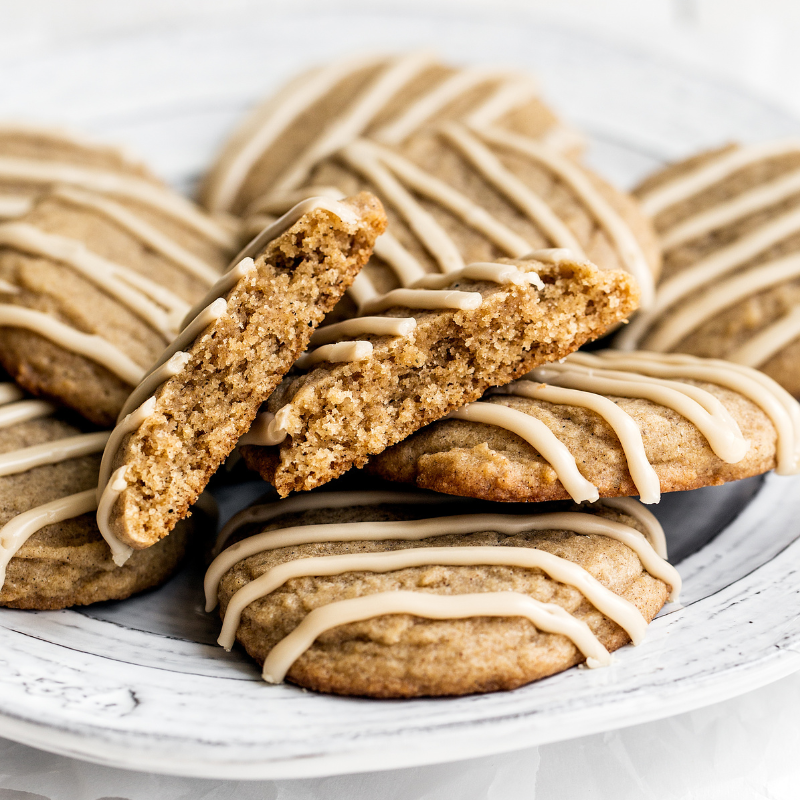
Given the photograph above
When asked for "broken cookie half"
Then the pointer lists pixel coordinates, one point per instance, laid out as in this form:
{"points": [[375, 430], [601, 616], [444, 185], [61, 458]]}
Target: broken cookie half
{"points": [[187, 414]]}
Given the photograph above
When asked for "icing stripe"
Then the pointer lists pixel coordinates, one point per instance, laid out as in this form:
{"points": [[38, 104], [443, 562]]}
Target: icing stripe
{"points": [[606, 216], [116, 485], [14, 413], [540, 437], [498, 604], [90, 346], [506, 183], [12, 206], [129, 423], [335, 353], [723, 166], [502, 274], [27, 458], [422, 299], [146, 233], [782, 409], [769, 341], [653, 530], [628, 433], [723, 214], [19, 529], [174, 365], [114, 183], [358, 117], [222, 193], [9, 392], [361, 326], [504, 100]]}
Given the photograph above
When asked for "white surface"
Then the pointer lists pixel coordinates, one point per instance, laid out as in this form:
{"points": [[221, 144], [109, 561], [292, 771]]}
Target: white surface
{"points": [[178, 123]]}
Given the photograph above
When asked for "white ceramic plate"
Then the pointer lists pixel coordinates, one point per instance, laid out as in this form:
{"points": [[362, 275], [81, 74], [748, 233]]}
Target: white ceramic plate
{"points": [[142, 685]]}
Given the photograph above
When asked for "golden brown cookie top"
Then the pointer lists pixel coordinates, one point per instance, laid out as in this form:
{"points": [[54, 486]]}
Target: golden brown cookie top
{"points": [[393, 595], [729, 224], [606, 425], [387, 98]]}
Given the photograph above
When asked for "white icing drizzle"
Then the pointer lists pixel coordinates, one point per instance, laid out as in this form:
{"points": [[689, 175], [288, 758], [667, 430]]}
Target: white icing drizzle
{"points": [[129, 423], [717, 264], [116, 485], [630, 437], [545, 616], [502, 274], [693, 313], [224, 284], [705, 176], [174, 365], [27, 458], [606, 216], [562, 570], [8, 288], [346, 214], [492, 170], [19, 529], [781, 408], [439, 97], [504, 100], [267, 430], [723, 214], [350, 124], [335, 353], [539, 436], [769, 341], [653, 530], [13, 413], [118, 184], [422, 299], [146, 233], [129, 288], [12, 206], [312, 501], [360, 326], [93, 347], [9, 392], [269, 122]]}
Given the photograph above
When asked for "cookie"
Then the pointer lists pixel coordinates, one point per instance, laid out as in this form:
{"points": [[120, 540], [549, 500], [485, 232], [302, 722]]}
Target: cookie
{"points": [[386, 98], [52, 554], [380, 594], [729, 224], [91, 291], [455, 195], [187, 415], [423, 352], [606, 425]]}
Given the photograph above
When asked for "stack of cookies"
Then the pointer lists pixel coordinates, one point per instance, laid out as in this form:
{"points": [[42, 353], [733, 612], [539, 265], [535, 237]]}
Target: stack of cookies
{"points": [[388, 281]]}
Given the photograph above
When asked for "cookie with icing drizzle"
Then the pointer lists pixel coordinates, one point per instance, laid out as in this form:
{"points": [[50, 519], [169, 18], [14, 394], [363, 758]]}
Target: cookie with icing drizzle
{"points": [[417, 353], [386, 594], [729, 224], [605, 425], [203, 393], [51, 552], [92, 288], [388, 98]]}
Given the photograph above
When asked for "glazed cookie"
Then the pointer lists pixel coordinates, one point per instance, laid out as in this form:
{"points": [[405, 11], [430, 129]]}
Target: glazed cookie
{"points": [[385, 97], [729, 223], [606, 425], [460, 194], [387, 594], [52, 554], [185, 418], [415, 354], [91, 291]]}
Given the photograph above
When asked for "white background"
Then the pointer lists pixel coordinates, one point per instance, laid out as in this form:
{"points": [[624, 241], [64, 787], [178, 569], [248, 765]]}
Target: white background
{"points": [[745, 748]]}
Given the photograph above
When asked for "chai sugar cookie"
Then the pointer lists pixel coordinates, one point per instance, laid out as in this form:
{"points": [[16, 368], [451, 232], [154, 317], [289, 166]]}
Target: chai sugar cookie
{"points": [[93, 288], [459, 194], [416, 354], [387, 98], [52, 553], [387, 594], [729, 225], [604, 425], [190, 410]]}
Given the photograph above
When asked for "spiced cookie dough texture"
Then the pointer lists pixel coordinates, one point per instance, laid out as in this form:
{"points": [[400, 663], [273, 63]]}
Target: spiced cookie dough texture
{"points": [[387, 98], [606, 424], [93, 288], [387, 594], [729, 224], [190, 410], [52, 553], [417, 353]]}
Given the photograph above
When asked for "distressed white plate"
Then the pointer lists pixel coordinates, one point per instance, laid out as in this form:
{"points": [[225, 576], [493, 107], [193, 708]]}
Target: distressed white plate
{"points": [[141, 684]]}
